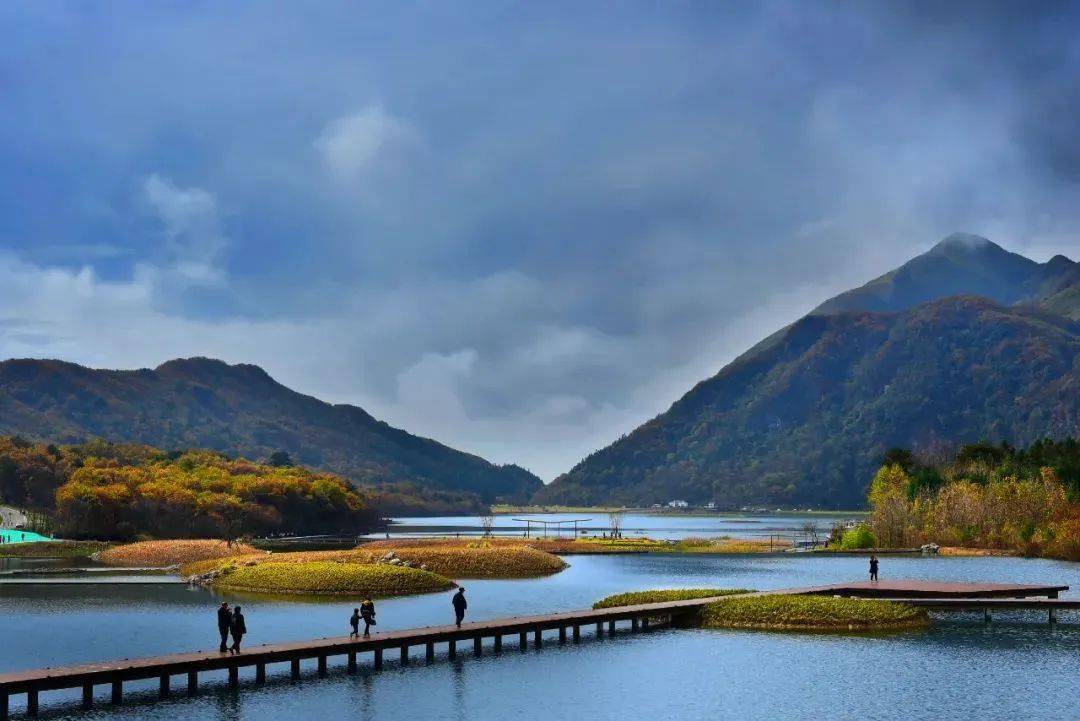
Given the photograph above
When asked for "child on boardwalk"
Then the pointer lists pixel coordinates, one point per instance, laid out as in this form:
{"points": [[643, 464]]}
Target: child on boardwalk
{"points": [[354, 621], [873, 567]]}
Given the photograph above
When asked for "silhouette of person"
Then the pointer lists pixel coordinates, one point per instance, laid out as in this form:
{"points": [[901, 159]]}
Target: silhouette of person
{"points": [[238, 629], [460, 604], [224, 623], [367, 612], [354, 621], [873, 567]]}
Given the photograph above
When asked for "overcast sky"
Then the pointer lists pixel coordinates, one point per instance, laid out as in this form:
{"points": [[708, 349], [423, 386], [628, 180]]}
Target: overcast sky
{"points": [[520, 229]]}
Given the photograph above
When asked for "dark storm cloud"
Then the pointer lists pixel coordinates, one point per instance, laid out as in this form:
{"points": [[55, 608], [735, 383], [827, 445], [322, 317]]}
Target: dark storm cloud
{"points": [[519, 229]]}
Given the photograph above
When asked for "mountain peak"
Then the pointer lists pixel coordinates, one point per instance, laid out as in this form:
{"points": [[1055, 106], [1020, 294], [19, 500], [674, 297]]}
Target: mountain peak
{"points": [[965, 242]]}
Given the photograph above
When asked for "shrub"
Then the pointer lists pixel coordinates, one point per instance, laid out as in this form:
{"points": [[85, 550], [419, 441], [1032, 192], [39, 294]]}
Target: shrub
{"points": [[160, 554], [857, 537], [634, 598], [811, 613], [331, 578]]}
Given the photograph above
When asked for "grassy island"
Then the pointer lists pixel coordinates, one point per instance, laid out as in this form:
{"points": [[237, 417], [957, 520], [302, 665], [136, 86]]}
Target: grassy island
{"points": [[52, 549], [811, 613], [162, 554], [446, 557], [634, 598], [318, 578]]}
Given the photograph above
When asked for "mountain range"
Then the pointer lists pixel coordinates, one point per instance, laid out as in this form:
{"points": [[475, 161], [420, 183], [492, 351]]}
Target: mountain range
{"points": [[963, 343], [241, 410]]}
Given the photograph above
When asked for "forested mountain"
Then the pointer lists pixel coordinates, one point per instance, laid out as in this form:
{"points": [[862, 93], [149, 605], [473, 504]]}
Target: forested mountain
{"points": [[240, 410], [804, 417]]}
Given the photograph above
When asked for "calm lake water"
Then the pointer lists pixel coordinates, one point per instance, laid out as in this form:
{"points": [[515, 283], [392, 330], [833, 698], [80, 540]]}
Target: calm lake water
{"points": [[1017, 668], [735, 525]]}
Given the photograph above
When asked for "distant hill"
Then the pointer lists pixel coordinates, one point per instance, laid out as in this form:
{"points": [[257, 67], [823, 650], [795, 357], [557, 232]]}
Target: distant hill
{"points": [[240, 410], [804, 417]]}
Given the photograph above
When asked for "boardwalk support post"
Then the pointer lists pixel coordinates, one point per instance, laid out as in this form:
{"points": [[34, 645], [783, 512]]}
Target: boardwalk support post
{"points": [[351, 663], [429, 652], [378, 659], [4, 702], [404, 655], [294, 668], [538, 638], [498, 643], [1053, 616], [322, 666], [163, 686], [577, 633], [611, 628], [88, 695], [478, 646], [645, 623], [117, 692], [192, 682], [634, 624], [562, 634], [451, 648], [32, 702], [523, 640], [599, 629], [986, 615], [234, 676], [260, 673]]}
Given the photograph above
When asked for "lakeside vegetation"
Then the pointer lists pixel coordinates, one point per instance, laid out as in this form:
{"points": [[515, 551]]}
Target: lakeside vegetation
{"points": [[811, 613], [53, 549], [114, 491], [318, 578], [633, 598], [993, 497]]}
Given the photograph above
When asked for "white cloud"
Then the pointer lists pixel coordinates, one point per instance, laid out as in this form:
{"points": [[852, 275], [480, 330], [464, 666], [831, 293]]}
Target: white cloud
{"points": [[358, 144], [194, 242]]}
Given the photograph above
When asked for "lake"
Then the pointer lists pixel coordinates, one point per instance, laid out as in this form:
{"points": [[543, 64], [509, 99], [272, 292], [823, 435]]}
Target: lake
{"points": [[651, 525], [1015, 668]]}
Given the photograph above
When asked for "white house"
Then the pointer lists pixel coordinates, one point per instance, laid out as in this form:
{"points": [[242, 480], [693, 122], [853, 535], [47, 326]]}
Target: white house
{"points": [[678, 504]]}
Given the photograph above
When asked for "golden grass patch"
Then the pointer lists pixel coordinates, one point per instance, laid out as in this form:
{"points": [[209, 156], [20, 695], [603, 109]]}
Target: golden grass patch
{"points": [[331, 578], [811, 613], [161, 554]]}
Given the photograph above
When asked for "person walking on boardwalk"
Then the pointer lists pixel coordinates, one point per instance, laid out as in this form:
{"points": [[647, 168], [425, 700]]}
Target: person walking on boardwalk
{"points": [[873, 567], [224, 623], [460, 604], [238, 629], [367, 612]]}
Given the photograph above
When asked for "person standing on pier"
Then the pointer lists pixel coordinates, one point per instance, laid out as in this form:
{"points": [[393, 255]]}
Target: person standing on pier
{"points": [[238, 629], [367, 612], [873, 567], [460, 604], [224, 623], [354, 621]]}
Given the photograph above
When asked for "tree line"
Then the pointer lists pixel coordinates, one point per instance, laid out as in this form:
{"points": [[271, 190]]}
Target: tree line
{"points": [[119, 491]]}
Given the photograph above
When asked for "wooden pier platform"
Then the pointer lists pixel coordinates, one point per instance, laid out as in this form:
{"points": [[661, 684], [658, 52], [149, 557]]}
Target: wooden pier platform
{"points": [[568, 624]]}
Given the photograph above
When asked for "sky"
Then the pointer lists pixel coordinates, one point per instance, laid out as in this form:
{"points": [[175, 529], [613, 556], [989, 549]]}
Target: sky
{"points": [[521, 229]]}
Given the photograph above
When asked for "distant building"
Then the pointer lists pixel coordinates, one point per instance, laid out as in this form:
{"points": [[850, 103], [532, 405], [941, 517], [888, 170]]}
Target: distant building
{"points": [[678, 504], [711, 505]]}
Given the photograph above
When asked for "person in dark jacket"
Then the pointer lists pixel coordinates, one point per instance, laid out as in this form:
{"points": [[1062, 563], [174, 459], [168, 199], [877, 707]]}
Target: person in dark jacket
{"points": [[224, 623], [354, 621], [873, 567], [460, 604], [238, 629], [367, 612]]}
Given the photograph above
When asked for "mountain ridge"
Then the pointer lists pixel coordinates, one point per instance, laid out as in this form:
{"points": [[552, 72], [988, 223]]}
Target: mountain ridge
{"points": [[238, 409], [786, 421]]}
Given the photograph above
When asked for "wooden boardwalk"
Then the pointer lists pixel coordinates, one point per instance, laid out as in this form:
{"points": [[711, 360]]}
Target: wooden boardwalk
{"points": [[569, 625]]}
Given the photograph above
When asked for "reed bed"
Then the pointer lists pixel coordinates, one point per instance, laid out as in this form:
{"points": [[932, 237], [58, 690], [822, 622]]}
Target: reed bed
{"points": [[811, 613], [162, 554], [634, 598]]}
